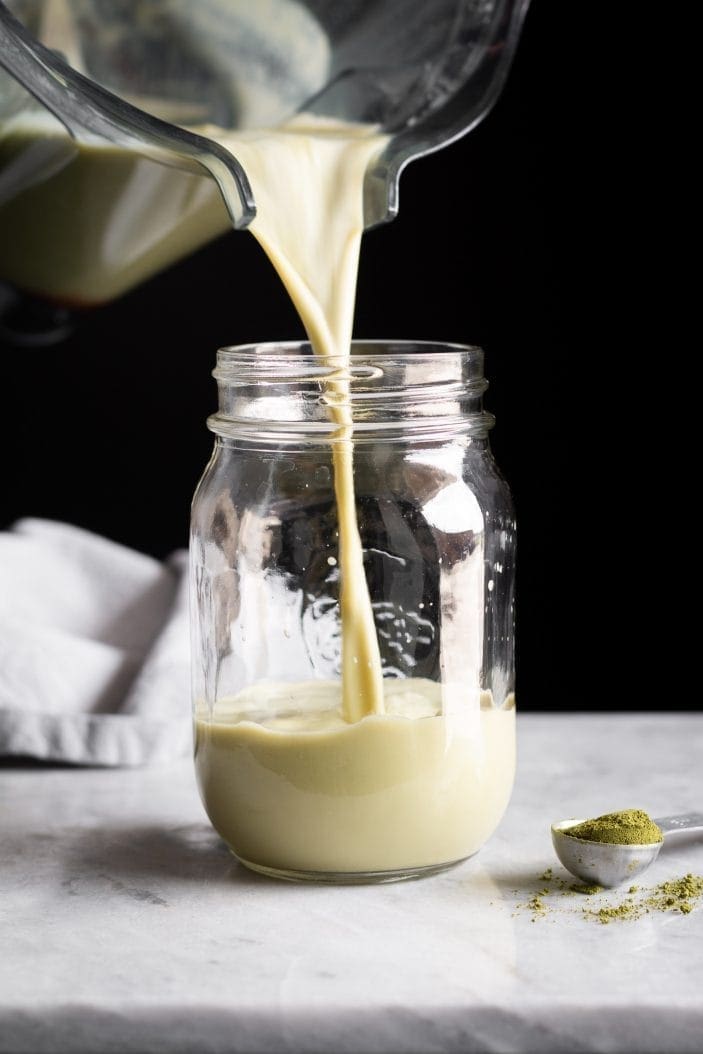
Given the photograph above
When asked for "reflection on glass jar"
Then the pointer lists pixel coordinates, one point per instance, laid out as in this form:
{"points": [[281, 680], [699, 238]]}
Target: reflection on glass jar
{"points": [[292, 785]]}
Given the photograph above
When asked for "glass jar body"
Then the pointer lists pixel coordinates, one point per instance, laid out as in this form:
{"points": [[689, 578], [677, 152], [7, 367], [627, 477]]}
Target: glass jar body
{"points": [[294, 788]]}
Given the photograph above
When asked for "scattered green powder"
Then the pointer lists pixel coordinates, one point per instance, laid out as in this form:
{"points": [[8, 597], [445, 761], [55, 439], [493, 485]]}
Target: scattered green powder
{"points": [[628, 827], [682, 893], [537, 906], [626, 910], [679, 895]]}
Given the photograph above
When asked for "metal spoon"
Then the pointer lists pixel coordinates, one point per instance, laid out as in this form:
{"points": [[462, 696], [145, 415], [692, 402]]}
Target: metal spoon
{"points": [[609, 864]]}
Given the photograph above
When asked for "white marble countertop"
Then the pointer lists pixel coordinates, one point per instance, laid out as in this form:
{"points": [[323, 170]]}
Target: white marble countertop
{"points": [[126, 926]]}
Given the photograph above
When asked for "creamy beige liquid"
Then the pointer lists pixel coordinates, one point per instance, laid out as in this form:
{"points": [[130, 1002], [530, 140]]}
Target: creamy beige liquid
{"points": [[82, 223], [308, 178], [292, 786]]}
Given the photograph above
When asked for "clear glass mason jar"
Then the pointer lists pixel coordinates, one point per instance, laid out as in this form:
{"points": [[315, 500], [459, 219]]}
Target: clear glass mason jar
{"points": [[294, 786]]}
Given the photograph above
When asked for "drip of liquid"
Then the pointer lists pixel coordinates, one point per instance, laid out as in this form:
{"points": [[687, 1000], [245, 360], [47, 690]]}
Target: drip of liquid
{"points": [[308, 176]]}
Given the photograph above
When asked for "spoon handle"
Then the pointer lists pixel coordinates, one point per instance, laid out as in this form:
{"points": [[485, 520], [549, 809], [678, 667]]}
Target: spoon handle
{"points": [[687, 821]]}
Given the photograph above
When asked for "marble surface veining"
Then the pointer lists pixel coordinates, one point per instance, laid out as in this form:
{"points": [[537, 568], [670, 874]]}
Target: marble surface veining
{"points": [[125, 925]]}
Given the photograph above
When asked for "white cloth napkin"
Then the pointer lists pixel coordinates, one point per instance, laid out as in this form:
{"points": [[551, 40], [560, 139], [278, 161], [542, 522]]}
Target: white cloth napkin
{"points": [[94, 649]]}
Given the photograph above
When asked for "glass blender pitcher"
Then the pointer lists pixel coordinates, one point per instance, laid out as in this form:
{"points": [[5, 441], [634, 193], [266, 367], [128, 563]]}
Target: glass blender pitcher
{"points": [[104, 106]]}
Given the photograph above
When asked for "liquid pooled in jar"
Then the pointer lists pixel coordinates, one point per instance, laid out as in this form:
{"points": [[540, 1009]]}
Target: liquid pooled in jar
{"points": [[292, 786]]}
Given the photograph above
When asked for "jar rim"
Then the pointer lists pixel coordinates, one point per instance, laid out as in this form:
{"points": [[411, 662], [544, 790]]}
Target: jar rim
{"points": [[362, 347], [392, 387]]}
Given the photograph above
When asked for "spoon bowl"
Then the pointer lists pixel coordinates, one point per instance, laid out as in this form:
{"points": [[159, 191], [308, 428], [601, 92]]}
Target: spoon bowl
{"points": [[601, 863], [610, 864]]}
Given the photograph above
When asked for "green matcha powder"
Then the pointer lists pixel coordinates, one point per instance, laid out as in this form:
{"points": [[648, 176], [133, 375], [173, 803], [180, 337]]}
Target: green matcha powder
{"points": [[628, 827], [679, 895]]}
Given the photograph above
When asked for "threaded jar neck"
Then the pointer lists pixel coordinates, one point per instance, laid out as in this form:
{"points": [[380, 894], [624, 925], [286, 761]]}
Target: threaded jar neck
{"points": [[394, 388]]}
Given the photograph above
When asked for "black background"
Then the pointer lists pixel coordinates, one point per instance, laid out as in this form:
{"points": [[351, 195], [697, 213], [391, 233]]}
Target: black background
{"points": [[495, 235]]}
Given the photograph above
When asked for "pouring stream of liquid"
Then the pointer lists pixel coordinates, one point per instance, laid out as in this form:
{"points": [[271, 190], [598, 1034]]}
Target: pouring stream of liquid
{"points": [[308, 178]]}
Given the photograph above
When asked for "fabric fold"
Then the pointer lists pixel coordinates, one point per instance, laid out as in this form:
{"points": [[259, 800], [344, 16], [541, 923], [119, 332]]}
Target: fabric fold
{"points": [[94, 649]]}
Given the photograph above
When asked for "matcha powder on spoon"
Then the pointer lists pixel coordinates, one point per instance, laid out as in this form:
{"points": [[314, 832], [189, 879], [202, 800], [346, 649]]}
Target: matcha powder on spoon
{"points": [[628, 827]]}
